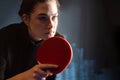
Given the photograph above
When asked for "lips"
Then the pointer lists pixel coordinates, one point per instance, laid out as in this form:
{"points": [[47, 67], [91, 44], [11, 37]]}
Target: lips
{"points": [[49, 32]]}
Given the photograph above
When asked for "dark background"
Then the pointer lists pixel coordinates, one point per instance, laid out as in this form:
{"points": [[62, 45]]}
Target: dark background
{"points": [[99, 34]]}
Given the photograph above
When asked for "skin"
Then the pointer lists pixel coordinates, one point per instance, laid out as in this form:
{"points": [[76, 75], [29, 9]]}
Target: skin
{"points": [[42, 24], [43, 21]]}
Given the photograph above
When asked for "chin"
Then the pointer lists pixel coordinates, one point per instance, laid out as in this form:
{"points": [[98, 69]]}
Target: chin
{"points": [[48, 37]]}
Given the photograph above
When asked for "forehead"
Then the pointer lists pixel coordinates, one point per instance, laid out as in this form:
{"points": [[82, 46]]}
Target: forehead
{"points": [[46, 8]]}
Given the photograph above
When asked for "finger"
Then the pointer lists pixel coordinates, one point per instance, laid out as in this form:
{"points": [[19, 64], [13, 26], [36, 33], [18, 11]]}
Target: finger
{"points": [[47, 66], [39, 62], [39, 72], [49, 73]]}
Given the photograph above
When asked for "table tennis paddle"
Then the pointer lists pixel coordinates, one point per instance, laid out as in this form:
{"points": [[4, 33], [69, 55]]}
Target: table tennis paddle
{"points": [[55, 50]]}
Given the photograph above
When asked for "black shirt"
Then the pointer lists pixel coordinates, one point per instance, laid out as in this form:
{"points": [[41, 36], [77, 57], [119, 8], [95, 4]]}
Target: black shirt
{"points": [[17, 51]]}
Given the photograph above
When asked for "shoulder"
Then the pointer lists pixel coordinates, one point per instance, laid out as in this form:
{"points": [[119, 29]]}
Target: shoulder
{"points": [[10, 27], [8, 32], [11, 32]]}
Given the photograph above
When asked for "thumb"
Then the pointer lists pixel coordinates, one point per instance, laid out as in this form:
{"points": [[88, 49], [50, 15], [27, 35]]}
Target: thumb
{"points": [[39, 62]]}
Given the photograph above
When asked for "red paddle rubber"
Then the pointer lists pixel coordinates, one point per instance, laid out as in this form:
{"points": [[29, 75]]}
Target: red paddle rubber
{"points": [[55, 50]]}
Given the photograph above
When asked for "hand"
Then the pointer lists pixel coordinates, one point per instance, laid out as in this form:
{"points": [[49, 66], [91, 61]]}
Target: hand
{"points": [[35, 73]]}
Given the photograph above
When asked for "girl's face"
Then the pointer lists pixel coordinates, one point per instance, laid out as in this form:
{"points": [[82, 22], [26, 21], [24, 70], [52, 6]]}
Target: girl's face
{"points": [[43, 21]]}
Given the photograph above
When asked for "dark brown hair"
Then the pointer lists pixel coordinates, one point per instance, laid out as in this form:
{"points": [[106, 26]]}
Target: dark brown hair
{"points": [[27, 6]]}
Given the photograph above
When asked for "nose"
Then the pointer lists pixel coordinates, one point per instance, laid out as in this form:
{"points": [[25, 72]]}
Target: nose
{"points": [[50, 23]]}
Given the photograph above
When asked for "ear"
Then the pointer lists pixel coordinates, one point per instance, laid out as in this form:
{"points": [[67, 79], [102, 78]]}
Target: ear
{"points": [[25, 19]]}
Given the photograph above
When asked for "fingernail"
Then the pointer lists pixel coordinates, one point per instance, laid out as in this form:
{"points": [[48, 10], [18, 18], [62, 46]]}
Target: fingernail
{"points": [[56, 65]]}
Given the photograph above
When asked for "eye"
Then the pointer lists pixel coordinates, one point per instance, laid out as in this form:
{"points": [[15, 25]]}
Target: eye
{"points": [[43, 18], [54, 17]]}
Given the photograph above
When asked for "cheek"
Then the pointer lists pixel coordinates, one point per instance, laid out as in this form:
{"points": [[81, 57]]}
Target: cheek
{"points": [[36, 24], [56, 23]]}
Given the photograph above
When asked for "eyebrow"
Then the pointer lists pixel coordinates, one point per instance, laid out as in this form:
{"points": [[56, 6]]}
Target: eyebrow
{"points": [[43, 14]]}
